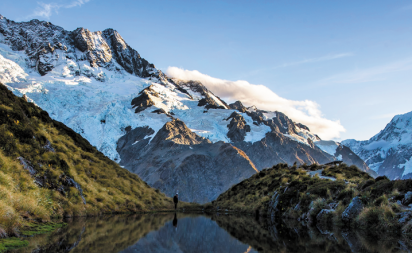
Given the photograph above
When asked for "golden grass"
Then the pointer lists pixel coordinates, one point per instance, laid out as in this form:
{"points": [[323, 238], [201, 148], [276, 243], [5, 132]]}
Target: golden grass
{"points": [[107, 188]]}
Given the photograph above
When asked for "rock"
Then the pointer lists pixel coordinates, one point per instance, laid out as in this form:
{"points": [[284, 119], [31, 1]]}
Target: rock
{"points": [[27, 165], [331, 206], [297, 207], [144, 100], [353, 241], [67, 181], [238, 106], [209, 103], [48, 146], [324, 215], [237, 127], [303, 217], [273, 206], [353, 210], [407, 199], [404, 217]]}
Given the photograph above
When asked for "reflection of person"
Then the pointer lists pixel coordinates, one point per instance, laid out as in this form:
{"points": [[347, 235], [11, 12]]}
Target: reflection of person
{"points": [[176, 200], [175, 222]]}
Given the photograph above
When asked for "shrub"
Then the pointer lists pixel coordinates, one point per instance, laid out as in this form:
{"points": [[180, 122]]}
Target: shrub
{"points": [[382, 200], [377, 218], [316, 206]]}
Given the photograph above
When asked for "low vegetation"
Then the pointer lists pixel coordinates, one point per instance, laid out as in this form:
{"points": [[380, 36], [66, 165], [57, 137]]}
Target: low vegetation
{"points": [[49, 171], [290, 192]]}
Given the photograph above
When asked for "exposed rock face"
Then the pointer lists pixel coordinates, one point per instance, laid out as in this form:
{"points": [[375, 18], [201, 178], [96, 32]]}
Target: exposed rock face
{"points": [[353, 210], [389, 152], [144, 100], [273, 206], [350, 157], [177, 159], [344, 154], [407, 199], [238, 106], [276, 148], [237, 127], [45, 43], [64, 181]]}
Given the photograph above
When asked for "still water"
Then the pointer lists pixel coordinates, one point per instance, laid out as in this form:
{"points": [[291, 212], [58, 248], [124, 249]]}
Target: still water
{"points": [[198, 233]]}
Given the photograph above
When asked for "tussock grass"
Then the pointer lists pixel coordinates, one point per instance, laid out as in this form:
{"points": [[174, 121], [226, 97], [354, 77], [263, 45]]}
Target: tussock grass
{"points": [[298, 193], [381, 218]]}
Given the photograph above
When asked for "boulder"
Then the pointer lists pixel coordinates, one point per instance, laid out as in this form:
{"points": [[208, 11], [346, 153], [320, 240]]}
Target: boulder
{"points": [[404, 217], [407, 199], [332, 206], [273, 205], [353, 210], [324, 215]]}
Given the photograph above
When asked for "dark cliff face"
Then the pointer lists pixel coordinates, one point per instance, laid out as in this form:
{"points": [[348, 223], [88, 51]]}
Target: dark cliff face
{"points": [[349, 157], [276, 148], [237, 127]]}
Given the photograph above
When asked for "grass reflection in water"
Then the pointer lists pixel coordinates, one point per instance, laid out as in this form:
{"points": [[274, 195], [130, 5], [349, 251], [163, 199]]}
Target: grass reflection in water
{"points": [[167, 232]]}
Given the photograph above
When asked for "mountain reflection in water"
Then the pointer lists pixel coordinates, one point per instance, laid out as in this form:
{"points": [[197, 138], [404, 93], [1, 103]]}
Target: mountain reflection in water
{"points": [[181, 232]]}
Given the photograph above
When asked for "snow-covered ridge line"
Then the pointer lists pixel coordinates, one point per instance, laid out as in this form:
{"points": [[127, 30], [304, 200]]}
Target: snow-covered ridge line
{"points": [[390, 151]]}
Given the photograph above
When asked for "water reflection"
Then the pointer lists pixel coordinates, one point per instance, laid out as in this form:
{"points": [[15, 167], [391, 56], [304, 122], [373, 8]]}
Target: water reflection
{"points": [[177, 232], [189, 234]]}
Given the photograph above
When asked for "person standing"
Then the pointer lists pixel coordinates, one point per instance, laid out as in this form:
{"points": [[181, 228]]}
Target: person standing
{"points": [[176, 200]]}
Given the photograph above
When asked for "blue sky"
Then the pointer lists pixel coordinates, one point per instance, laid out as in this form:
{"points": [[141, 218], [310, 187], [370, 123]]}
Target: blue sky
{"points": [[352, 58]]}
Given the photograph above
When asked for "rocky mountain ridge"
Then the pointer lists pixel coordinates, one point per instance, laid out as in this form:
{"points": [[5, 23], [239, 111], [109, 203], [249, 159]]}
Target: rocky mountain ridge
{"points": [[389, 152], [175, 134]]}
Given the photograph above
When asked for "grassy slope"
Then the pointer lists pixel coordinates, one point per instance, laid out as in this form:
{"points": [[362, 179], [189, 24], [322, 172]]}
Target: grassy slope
{"points": [[378, 195], [24, 131]]}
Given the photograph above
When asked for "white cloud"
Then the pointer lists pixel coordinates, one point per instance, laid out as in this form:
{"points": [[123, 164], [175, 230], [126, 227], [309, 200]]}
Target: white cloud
{"points": [[46, 10], [306, 112]]}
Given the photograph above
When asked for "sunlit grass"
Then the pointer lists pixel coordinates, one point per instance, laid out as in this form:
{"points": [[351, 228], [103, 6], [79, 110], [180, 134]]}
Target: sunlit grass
{"points": [[107, 188]]}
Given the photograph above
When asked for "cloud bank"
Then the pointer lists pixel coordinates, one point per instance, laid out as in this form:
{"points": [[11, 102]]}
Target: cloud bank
{"points": [[306, 112], [46, 10]]}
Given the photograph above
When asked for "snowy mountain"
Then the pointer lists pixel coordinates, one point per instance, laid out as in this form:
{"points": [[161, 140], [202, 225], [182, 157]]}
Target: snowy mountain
{"points": [[390, 151], [175, 134]]}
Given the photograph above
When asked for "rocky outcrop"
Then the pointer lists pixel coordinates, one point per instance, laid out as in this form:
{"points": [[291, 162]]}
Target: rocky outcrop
{"points": [[209, 103], [237, 127], [407, 199], [238, 106], [324, 216], [144, 99], [353, 210], [273, 206], [62, 185]]}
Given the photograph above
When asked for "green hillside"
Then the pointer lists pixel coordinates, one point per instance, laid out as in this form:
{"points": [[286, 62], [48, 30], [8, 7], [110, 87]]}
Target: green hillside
{"points": [[291, 192], [47, 170]]}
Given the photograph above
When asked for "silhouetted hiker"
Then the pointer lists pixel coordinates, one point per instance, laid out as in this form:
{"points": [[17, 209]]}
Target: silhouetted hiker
{"points": [[176, 200], [175, 221]]}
